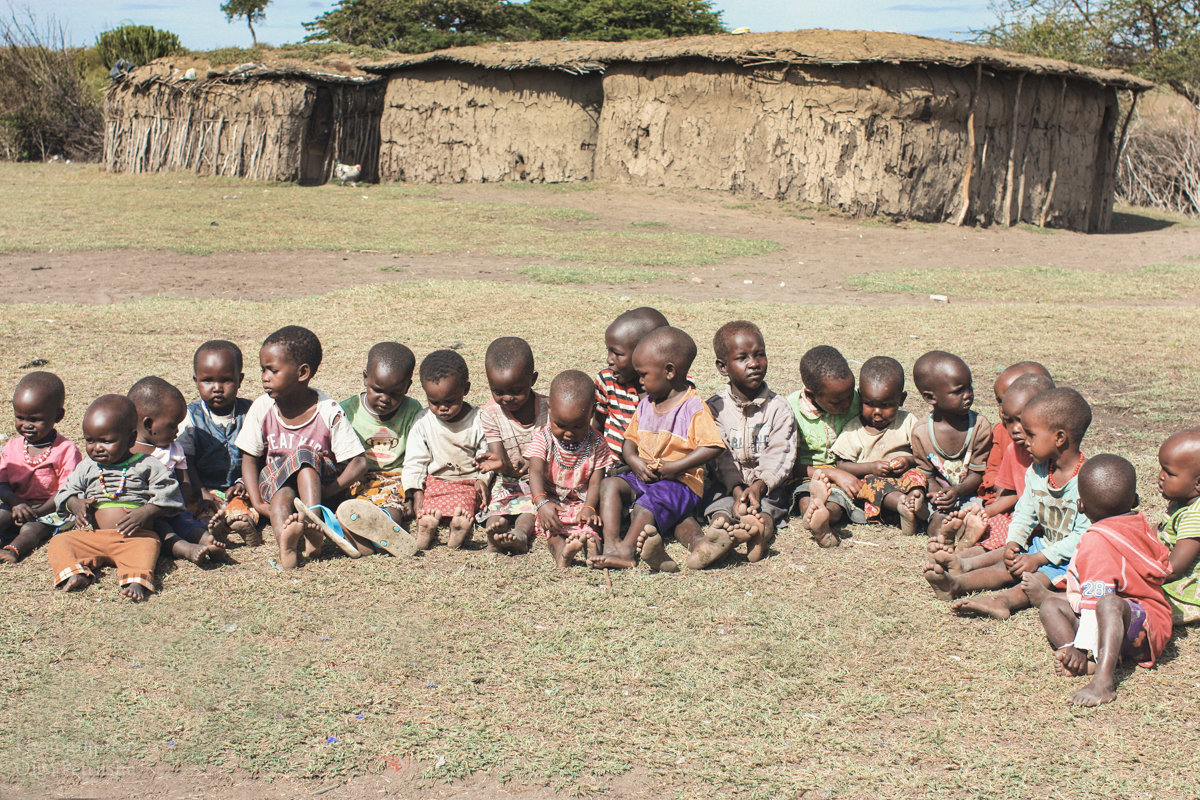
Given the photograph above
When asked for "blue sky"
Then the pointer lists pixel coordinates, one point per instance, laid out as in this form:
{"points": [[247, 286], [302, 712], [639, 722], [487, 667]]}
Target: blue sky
{"points": [[201, 25]]}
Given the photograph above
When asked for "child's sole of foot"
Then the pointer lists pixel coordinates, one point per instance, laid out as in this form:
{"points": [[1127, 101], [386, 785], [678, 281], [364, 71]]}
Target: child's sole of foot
{"points": [[981, 607], [461, 527], [653, 551], [715, 543]]}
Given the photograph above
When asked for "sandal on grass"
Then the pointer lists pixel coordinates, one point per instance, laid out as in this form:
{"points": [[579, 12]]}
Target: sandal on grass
{"points": [[368, 521], [327, 522]]}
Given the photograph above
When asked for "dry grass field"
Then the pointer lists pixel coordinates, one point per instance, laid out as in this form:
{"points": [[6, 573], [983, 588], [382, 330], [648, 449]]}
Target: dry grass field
{"points": [[814, 674]]}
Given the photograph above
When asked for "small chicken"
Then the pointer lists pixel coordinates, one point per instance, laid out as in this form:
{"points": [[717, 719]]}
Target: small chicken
{"points": [[346, 172]]}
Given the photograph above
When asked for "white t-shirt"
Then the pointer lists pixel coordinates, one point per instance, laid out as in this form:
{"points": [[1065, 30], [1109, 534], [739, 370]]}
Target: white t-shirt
{"points": [[327, 431]]}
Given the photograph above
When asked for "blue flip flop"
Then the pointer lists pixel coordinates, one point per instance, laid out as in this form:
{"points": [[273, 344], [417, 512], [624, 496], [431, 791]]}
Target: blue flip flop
{"points": [[327, 521]]}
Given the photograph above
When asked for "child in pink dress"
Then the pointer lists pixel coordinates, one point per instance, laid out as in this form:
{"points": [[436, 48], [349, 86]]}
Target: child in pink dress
{"points": [[34, 466], [566, 461]]}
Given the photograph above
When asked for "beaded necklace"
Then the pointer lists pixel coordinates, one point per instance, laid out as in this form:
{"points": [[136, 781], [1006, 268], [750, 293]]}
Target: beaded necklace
{"points": [[114, 494], [1050, 475], [577, 452], [41, 457]]}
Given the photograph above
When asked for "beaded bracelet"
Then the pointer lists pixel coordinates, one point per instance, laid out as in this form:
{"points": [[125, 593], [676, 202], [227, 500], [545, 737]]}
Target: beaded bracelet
{"points": [[16, 552], [538, 506], [594, 511], [539, 494]]}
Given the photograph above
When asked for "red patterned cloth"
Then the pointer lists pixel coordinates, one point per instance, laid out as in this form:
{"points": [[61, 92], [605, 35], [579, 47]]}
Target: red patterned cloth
{"points": [[445, 497]]}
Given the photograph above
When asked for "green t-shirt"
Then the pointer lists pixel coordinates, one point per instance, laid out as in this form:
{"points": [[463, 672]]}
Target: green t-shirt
{"points": [[1182, 522], [818, 429], [384, 442]]}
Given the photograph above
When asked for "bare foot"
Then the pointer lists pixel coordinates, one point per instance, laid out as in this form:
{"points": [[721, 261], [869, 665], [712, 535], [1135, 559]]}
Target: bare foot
{"points": [[712, 547], [289, 541], [218, 528], [75, 583], [135, 592], [427, 528], [571, 548], [242, 525], [974, 529], [618, 558], [912, 510], [7, 556], [1096, 693], [760, 544], [951, 528], [942, 583], [1070, 662], [817, 516], [461, 528], [947, 561], [1034, 589], [199, 553], [652, 550], [988, 605]]}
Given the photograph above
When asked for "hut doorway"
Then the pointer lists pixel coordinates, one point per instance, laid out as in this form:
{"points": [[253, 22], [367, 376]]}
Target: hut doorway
{"points": [[314, 166]]}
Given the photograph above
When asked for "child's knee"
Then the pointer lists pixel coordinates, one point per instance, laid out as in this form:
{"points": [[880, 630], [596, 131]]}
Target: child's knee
{"points": [[1112, 605]]}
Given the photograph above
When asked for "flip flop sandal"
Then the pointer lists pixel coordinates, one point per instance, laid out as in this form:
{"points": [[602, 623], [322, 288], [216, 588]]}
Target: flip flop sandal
{"points": [[328, 523], [368, 521]]}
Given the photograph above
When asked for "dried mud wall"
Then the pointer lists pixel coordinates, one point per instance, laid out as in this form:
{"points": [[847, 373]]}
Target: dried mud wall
{"points": [[285, 130], [934, 144], [446, 123]]}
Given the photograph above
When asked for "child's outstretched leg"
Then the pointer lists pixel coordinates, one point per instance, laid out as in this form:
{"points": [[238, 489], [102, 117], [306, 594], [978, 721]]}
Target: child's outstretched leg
{"points": [[1060, 624], [618, 551], [1113, 616], [949, 577], [427, 529], [30, 536], [462, 525], [999, 605], [706, 547], [819, 515], [202, 552]]}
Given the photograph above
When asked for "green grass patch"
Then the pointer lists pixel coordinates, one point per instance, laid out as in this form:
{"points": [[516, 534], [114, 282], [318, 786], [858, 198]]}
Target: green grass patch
{"points": [[80, 207], [648, 223], [811, 674], [1037, 284], [552, 274]]}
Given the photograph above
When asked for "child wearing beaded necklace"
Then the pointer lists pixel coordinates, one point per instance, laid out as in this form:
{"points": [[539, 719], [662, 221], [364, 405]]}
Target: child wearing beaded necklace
{"points": [[33, 466], [566, 461], [1046, 523], [114, 496]]}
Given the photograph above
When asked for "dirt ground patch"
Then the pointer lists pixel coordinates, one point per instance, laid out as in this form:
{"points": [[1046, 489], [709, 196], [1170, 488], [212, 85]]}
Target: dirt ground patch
{"points": [[817, 253]]}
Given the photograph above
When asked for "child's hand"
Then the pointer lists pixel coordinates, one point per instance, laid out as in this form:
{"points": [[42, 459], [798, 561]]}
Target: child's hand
{"points": [[944, 500], [881, 468], [844, 481], [898, 465], [548, 517], [135, 520], [481, 492], [642, 469], [1011, 551], [1026, 562], [588, 516], [489, 462], [753, 497], [22, 513], [1074, 660]]}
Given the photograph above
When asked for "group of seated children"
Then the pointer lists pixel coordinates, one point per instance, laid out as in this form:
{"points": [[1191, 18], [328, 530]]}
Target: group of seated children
{"points": [[605, 468]]}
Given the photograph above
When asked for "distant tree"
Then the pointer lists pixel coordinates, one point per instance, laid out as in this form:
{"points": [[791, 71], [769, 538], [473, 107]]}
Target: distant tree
{"points": [[1157, 39], [253, 10], [137, 44], [419, 25], [623, 20]]}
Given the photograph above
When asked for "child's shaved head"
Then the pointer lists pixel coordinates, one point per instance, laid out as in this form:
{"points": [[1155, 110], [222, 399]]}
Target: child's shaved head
{"points": [[573, 388], [111, 412], [1027, 386], [634, 324], [391, 358], [725, 334], [231, 350], [509, 354], [938, 365], [671, 345], [823, 363], [151, 395], [442, 364], [883, 373], [301, 345], [1107, 486], [42, 388], [1062, 409], [1186, 446], [1006, 377]]}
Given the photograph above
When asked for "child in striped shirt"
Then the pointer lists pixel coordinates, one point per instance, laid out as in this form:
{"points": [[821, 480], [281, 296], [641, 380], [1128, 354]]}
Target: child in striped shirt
{"points": [[617, 387]]}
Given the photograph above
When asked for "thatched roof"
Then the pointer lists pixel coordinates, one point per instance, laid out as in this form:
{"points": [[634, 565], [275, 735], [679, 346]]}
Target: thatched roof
{"points": [[184, 69], [813, 47]]}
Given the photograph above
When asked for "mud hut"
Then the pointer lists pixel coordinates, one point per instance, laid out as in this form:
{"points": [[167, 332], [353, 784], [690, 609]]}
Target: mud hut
{"points": [[282, 121], [864, 122]]}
